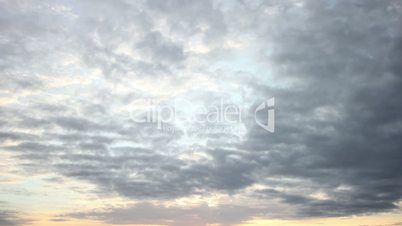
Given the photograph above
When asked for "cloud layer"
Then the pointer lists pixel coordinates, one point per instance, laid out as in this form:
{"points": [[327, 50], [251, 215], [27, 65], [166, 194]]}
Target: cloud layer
{"points": [[73, 72]]}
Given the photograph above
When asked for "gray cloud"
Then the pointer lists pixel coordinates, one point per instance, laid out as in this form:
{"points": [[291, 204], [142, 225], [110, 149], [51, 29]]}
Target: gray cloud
{"points": [[334, 125], [11, 218], [144, 213], [333, 67]]}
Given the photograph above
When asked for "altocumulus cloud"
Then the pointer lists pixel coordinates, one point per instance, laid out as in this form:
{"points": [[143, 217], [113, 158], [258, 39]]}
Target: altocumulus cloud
{"points": [[71, 72], [11, 218]]}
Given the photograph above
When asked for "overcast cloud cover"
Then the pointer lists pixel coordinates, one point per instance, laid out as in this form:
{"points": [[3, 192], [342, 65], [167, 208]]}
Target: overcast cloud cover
{"points": [[73, 72]]}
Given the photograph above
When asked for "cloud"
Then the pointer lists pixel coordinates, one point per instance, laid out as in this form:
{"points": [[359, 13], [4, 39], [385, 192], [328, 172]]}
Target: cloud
{"points": [[144, 213], [71, 78], [331, 124], [395, 224], [11, 218]]}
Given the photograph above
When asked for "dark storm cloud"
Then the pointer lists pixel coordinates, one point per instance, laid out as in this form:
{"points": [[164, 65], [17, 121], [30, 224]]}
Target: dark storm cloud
{"points": [[339, 124]]}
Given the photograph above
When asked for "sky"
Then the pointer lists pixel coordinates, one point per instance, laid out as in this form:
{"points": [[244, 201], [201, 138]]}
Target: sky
{"points": [[211, 112]]}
